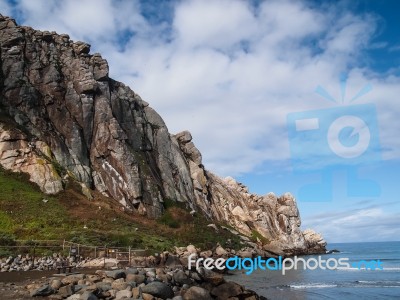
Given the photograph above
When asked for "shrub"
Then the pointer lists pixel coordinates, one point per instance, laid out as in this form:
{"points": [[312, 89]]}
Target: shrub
{"points": [[255, 234], [7, 239], [168, 219]]}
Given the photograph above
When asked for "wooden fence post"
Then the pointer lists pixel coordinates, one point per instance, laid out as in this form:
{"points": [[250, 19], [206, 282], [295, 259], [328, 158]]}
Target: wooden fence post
{"points": [[105, 254]]}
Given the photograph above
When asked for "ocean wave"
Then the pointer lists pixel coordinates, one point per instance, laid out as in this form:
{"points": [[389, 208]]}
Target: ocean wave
{"points": [[363, 270], [312, 286], [354, 284], [372, 283]]}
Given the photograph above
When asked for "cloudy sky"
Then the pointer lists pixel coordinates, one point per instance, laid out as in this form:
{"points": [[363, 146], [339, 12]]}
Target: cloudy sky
{"points": [[239, 74]]}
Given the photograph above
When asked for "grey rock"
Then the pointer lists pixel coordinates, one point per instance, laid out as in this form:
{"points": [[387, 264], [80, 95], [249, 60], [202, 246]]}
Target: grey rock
{"points": [[119, 284], [74, 297], [66, 291], [211, 276], [132, 284], [158, 289], [103, 286], [181, 278], [42, 291], [56, 284], [227, 290], [123, 294], [79, 287], [88, 295], [173, 261], [131, 271], [72, 279], [116, 274], [196, 292], [138, 278]]}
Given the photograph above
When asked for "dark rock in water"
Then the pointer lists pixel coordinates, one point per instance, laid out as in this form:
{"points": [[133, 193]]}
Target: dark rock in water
{"points": [[332, 251], [158, 289]]}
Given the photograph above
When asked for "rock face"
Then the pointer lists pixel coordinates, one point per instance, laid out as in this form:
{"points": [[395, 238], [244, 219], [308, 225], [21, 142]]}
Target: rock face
{"points": [[17, 154], [61, 117]]}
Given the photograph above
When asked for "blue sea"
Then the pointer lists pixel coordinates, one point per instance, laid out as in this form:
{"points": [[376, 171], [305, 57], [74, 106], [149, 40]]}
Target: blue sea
{"points": [[347, 283]]}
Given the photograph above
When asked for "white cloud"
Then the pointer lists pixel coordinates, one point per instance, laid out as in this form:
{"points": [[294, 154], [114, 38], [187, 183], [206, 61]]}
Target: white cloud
{"points": [[87, 20], [5, 8], [369, 223], [229, 71], [283, 20], [350, 34], [219, 24]]}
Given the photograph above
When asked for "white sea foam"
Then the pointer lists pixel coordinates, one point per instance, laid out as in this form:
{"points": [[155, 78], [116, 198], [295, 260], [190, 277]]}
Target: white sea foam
{"points": [[363, 270], [312, 286], [371, 283]]}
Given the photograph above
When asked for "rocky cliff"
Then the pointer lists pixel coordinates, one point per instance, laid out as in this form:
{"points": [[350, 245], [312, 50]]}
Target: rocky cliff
{"points": [[62, 118]]}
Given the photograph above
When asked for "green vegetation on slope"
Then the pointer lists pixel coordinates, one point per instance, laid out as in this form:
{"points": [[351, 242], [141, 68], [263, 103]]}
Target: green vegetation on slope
{"points": [[28, 214]]}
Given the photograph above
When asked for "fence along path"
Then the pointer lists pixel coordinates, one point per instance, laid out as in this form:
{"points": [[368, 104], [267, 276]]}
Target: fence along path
{"points": [[76, 250]]}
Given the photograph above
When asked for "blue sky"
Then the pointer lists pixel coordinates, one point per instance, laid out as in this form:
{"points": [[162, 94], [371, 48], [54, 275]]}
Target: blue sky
{"points": [[232, 71]]}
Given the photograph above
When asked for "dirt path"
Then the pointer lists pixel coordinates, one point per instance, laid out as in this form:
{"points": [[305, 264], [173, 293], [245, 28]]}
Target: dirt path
{"points": [[14, 277]]}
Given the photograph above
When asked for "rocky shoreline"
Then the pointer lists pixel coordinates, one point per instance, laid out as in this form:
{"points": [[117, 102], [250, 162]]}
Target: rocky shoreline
{"points": [[140, 283], [165, 275], [168, 278]]}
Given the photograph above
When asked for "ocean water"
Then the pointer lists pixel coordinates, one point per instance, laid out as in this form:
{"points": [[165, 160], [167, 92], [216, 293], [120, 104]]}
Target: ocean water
{"points": [[333, 284]]}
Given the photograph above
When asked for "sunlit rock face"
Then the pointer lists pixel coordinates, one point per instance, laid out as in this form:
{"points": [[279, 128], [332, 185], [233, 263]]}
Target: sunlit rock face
{"points": [[63, 117]]}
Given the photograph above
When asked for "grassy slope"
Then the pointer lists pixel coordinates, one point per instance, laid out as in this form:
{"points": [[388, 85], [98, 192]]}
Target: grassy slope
{"points": [[24, 215]]}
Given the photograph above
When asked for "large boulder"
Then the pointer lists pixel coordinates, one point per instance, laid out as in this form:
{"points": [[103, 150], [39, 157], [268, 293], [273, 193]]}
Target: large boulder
{"points": [[196, 292], [42, 291], [158, 289], [227, 290]]}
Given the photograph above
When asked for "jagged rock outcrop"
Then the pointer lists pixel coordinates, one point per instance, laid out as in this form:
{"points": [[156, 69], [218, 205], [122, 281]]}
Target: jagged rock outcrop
{"points": [[17, 154], [61, 117]]}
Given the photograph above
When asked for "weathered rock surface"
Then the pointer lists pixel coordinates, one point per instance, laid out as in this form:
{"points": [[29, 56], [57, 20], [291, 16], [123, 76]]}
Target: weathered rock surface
{"points": [[61, 117], [17, 154]]}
